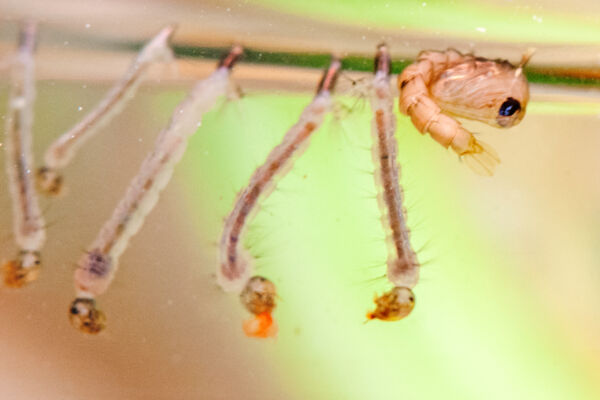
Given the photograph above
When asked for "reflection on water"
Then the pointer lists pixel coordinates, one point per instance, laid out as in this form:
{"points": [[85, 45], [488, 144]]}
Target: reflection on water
{"points": [[505, 308]]}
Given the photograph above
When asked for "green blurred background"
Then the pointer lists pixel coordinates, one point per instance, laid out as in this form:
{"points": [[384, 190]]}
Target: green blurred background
{"points": [[506, 306]]}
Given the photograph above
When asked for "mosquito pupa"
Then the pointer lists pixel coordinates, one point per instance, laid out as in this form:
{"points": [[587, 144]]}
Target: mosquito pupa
{"points": [[28, 223], [97, 267], [402, 264], [62, 151], [234, 268], [440, 85]]}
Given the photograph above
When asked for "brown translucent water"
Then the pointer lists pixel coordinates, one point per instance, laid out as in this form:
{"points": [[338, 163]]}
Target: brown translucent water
{"points": [[162, 289], [174, 334]]}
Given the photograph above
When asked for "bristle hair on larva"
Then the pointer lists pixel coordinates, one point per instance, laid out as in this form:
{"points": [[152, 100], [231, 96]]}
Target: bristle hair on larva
{"points": [[234, 271], [235, 263], [402, 262]]}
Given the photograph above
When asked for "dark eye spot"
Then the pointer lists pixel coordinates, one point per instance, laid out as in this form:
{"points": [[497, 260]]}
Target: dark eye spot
{"points": [[509, 107], [74, 310]]}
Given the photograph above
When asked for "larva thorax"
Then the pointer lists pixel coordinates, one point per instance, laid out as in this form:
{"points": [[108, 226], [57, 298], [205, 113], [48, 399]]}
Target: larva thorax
{"points": [[93, 275]]}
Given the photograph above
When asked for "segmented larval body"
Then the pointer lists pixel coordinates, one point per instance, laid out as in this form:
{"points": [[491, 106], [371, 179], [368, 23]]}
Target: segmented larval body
{"points": [[234, 261], [28, 223], [402, 264], [143, 192], [97, 268], [62, 151]]}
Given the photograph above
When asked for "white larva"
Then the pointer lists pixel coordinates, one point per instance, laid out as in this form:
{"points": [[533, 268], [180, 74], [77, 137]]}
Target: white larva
{"points": [[62, 151], [28, 223], [234, 269], [402, 264], [97, 268]]}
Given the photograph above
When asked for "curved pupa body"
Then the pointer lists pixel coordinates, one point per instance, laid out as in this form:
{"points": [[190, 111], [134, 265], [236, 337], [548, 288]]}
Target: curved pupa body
{"points": [[440, 85]]}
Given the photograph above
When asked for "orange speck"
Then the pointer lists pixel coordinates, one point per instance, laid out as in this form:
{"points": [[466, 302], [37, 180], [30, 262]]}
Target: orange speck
{"points": [[260, 326]]}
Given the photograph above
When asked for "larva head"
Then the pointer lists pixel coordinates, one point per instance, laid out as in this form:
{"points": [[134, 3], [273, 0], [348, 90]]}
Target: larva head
{"points": [[49, 181], [259, 295], [259, 298], [23, 270], [393, 305], [85, 317], [491, 91]]}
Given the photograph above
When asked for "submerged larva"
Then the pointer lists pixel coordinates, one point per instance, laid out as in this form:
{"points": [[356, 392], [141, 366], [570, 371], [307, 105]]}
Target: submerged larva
{"points": [[62, 151], [440, 85], [28, 223], [234, 268], [97, 268], [402, 264]]}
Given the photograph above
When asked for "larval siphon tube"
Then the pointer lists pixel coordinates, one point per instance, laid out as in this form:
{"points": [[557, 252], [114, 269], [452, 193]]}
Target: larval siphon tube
{"points": [[28, 223], [235, 270], [97, 267], [62, 151], [402, 264]]}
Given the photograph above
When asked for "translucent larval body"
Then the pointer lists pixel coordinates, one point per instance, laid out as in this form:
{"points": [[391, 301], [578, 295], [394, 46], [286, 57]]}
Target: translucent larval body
{"points": [[28, 223]]}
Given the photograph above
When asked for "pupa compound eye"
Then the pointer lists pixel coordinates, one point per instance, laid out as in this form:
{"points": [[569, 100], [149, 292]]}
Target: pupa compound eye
{"points": [[509, 107]]}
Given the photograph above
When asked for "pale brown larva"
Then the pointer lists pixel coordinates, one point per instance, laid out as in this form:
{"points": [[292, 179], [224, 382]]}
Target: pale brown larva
{"points": [[440, 85]]}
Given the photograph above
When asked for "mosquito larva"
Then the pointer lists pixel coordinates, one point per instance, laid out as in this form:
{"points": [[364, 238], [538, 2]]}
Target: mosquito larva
{"points": [[62, 151], [402, 264], [440, 85], [28, 223], [234, 269], [97, 267]]}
